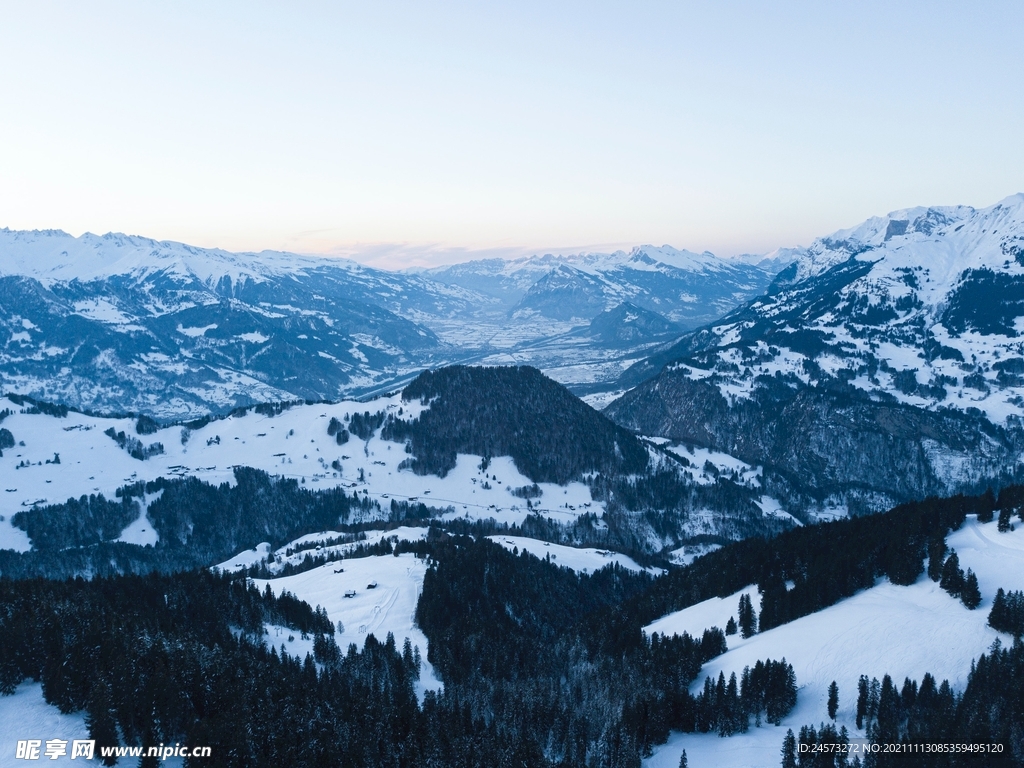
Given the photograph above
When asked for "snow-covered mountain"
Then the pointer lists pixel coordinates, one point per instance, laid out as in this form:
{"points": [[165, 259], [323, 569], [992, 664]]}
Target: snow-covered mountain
{"points": [[127, 323], [887, 358], [123, 323], [685, 287]]}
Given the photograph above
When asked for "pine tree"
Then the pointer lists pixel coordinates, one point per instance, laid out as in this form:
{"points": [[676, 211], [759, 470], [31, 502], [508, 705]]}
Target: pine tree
{"points": [[936, 558], [730, 626], [997, 617], [99, 719], [1004, 520], [682, 760], [747, 616], [789, 750], [888, 713], [874, 694], [833, 699], [862, 700], [986, 506], [970, 595], [952, 577]]}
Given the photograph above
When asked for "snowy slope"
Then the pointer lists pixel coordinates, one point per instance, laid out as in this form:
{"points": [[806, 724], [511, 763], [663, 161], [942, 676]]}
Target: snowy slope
{"points": [[294, 444], [390, 606], [319, 543], [900, 631], [579, 559], [53, 256], [26, 715]]}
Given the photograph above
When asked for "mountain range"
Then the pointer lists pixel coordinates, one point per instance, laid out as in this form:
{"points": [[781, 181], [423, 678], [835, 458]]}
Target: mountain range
{"points": [[121, 323]]}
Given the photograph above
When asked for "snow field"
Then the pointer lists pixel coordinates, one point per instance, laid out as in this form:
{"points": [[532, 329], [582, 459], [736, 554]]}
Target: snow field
{"points": [[294, 444], [310, 544], [888, 629], [581, 560], [388, 607]]}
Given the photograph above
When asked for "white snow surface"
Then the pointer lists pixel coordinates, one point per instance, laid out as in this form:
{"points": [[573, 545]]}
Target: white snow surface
{"points": [[388, 607], [579, 559], [888, 629], [315, 544], [714, 612], [52, 255]]}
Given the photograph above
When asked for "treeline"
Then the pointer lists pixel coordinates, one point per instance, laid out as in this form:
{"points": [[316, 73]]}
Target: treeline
{"points": [[824, 563], [579, 687], [665, 500], [181, 658], [768, 689], [989, 712], [513, 411], [1007, 614], [132, 445], [78, 522]]}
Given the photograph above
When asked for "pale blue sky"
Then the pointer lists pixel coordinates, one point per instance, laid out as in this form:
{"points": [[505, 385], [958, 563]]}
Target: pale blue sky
{"points": [[419, 131]]}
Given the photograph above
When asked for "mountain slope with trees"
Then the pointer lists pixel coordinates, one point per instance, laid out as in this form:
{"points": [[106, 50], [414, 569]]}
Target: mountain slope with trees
{"points": [[871, 372]]}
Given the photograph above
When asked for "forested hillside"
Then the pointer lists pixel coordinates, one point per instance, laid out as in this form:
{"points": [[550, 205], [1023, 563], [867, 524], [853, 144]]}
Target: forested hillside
{"points": [[526, 681], [515, 411], [197, 524]]}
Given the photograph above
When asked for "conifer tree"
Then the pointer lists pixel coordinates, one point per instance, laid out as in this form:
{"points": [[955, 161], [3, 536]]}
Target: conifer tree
{"points": [[730, 626], [789, 750], [682, 760], [1004, 520], [952, 577], [986, 506], [833, 699], [936, 557], [862, 700], [997, 617], [99, 719], [747, 616], [970, 595]]}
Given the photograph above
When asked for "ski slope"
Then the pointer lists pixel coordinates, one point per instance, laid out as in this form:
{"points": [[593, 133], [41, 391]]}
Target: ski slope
{"points": [[390, 606], [888, 629], [294, 444]]}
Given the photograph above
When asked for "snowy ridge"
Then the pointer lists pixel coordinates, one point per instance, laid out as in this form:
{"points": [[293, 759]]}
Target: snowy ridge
{"points": [[910, 304], [53, 255], [885, 364]]}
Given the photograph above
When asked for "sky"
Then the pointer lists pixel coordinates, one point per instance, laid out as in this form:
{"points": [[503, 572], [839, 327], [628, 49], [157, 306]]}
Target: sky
{"points": [[416, 133]]}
